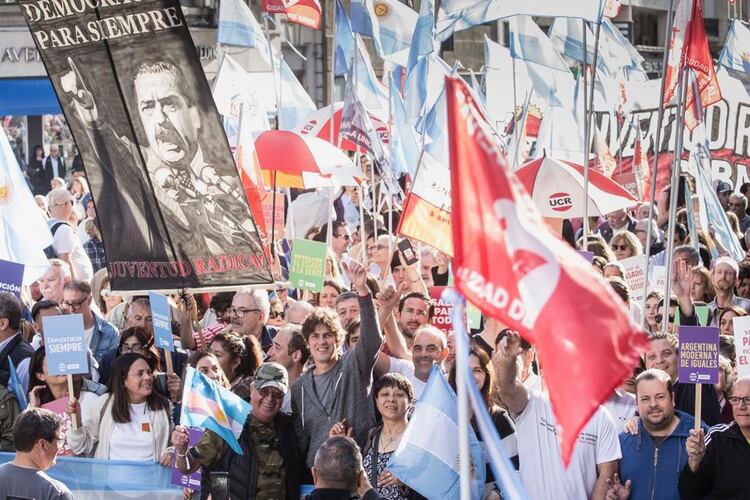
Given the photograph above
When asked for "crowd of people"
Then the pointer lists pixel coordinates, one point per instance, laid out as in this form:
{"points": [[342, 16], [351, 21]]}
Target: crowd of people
{"points": [[333, 377]]}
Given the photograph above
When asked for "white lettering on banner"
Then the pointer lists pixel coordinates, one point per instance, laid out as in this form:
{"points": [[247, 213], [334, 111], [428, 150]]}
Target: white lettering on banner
{"points": [[161, 322], [10, 287], [492, 293], [60, 347]]}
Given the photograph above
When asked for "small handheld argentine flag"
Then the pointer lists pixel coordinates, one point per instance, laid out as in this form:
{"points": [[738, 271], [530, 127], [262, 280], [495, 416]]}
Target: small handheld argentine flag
{"points": [[427, 463], [207, 405], [14, 386]]}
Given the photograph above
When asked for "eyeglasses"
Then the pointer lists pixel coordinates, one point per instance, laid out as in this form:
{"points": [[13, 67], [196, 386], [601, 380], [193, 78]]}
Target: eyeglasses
{"points": [[738, 401], [372, 248], [660, 317], [277, 314], [620, 247], [126, 348], [346, 236], [271, 392], [75, 305], [240, 313]]}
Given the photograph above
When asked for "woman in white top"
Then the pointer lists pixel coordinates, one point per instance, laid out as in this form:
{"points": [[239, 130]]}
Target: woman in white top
{"points": [[46, 389], [131, 422]]}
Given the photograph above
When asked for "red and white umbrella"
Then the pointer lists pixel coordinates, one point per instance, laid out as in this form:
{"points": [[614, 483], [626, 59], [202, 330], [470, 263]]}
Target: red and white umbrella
{"points": [[318, 124], [303, 161], [556, 186]]}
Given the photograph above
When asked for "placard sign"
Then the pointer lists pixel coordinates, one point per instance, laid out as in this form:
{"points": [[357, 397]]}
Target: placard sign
{"points": [[11, 277], [162, 324], [308, 265], [67, 352], [699, 355], [635, 276], [192, 481], [742, 344], [442, 317]]}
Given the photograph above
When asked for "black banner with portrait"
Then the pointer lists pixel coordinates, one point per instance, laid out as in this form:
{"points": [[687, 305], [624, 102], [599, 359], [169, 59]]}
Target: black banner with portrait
{"points": [[168, 197]]}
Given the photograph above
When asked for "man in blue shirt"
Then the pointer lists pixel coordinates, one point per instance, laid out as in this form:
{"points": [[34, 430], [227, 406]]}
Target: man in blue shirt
{"points": [[653, 458]]}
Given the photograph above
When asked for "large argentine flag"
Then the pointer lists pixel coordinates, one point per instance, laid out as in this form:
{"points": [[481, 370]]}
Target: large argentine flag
{"points": [[207, 405], [736, 51], [427, 458], [92, 479], [457, 15]]}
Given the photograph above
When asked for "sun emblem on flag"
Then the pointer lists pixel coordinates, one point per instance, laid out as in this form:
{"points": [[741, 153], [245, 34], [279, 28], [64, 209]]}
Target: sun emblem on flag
{"points": [[6, 191], [382, 10], [221, 417]]}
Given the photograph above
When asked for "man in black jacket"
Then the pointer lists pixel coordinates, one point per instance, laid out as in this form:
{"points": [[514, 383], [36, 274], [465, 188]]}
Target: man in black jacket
{"points": [[718, 466], [270, 466], [338, 472]]}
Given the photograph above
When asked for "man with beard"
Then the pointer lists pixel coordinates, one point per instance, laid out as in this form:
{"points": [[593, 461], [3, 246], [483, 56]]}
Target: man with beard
{"points": [[718, 466], [724, 278], [647, 467], [196, 200]]}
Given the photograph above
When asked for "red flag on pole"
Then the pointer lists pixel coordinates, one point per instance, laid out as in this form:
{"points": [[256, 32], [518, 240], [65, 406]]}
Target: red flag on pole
{"points": [[304, 12], [510, 265], [689, 48], [698, 57]]}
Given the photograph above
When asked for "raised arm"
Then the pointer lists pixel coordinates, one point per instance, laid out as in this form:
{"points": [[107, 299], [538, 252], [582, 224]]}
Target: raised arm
{"points": [[513, 393]]}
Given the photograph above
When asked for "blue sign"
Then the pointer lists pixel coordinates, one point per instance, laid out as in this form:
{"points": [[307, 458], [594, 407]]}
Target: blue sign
{"points": [[162, 324], [11, 277], [65, 345]]}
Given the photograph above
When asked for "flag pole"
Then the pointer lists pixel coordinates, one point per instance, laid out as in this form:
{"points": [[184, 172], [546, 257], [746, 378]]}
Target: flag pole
{"points": [[462, 358], [657, 146], [515, 122], [276, 85], [676, 167], [332, 83], [588, 108], [585, 76]]}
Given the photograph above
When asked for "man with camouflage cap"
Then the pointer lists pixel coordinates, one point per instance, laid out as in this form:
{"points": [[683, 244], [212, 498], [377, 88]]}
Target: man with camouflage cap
{"points": [[269, 467]]}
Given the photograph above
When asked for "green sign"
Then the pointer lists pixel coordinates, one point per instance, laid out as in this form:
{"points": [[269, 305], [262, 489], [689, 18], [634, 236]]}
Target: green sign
{"points": [[702, 312], [473, 316], [308, 265]]}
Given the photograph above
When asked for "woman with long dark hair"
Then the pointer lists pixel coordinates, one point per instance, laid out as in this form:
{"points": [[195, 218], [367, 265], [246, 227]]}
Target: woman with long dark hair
{"points": [[130, 422], [484, 380], [239, 357]]}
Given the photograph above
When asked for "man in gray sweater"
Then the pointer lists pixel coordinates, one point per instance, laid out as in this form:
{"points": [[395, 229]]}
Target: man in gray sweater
{"points": [[339, 387]]}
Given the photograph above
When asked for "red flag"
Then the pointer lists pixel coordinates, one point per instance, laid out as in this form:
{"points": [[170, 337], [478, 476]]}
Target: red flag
{"points": [[304, 12], [689, 48], [698, 57], [510, 265]]}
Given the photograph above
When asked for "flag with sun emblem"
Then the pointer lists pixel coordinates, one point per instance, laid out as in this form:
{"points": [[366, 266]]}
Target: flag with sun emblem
{"points": [[207, 405], [390, 23], [23, 232]]}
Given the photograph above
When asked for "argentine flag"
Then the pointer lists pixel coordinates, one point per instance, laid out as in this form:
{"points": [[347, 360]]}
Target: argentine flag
{"points": [[426, 460], [238, 26], [393, 26], [207, 405], [736, 51], [23, 232]]}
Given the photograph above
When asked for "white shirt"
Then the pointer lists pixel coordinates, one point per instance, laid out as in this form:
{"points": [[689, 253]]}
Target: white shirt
{"points": [[55, 162], [23, 366], [66, 241], [134, 440], [406, 368], [533, 382], [88, 334], [621, 405], [83, 237], [542, 470]]}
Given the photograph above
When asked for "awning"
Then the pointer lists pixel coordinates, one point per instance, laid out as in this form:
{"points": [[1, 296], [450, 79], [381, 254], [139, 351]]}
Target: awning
{"points": [[28, 96]]}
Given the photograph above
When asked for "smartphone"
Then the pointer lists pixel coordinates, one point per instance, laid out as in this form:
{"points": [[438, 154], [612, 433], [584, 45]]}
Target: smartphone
{"points": [[220, 485], [404, 246]]}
